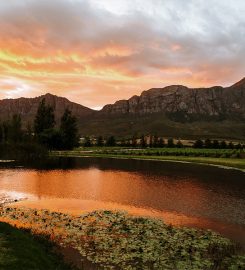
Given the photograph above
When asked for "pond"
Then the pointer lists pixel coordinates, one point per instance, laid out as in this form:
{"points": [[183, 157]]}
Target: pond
{"points": [[182, 194]]}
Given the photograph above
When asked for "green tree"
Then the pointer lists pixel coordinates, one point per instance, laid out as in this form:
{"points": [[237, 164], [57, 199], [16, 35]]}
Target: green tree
{"points": [[69, 130]]}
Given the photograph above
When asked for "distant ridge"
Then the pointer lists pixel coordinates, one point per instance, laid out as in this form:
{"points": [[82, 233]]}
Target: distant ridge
{"points": [[176, 111], [27, 107]]}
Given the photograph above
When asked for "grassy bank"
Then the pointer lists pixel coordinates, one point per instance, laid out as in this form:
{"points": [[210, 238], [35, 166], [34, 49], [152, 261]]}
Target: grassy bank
{"points": [[218, 157], [20, 250], [115, 240]]}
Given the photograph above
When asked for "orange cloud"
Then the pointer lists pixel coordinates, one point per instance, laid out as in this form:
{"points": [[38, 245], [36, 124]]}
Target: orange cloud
{"points": [[94, 56]]}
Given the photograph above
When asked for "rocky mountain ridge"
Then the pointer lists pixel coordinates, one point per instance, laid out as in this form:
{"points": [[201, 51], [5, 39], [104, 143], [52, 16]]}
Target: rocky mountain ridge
{"points": [[177, 99]]}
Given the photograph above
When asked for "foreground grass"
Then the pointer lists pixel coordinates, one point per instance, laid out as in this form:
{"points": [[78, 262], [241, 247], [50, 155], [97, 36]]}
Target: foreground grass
{"points": [[115, 240], [20, 250], [166, 155]]}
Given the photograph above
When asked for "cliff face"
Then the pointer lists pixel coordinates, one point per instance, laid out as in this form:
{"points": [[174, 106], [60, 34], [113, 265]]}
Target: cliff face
{"points": [[27, 107], [180, 100]]}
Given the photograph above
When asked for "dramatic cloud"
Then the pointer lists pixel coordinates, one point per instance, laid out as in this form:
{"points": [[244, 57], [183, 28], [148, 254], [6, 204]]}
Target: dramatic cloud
{"points": [[95, 52]]}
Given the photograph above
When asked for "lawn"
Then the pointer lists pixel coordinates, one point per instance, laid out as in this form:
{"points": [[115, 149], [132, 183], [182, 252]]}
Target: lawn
{"points": [[20, 250]]}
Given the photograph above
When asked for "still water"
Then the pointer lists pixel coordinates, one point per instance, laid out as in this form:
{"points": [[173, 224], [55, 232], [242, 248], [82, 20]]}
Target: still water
{"points": [[181, 194]]}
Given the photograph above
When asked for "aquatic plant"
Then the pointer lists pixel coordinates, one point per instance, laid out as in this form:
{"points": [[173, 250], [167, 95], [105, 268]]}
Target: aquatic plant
{"points": [[116, 240]]}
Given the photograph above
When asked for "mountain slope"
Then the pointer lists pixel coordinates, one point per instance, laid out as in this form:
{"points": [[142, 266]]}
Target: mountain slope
{"points": [[27, 107], [175, 111]]}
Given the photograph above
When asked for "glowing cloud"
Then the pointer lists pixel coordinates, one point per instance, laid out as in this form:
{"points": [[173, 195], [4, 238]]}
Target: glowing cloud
{"points": [[95, 52]]}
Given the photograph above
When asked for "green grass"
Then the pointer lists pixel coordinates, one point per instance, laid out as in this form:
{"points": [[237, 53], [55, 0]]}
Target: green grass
{"points": [[20, 250], [218, 157]]}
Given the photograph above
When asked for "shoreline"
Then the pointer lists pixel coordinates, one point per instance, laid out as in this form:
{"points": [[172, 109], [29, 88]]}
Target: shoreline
{"points": [[174, 159]]}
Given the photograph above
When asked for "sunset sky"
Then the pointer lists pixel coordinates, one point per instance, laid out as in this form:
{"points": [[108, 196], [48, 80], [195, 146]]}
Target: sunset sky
{"points": [[95, 52]]}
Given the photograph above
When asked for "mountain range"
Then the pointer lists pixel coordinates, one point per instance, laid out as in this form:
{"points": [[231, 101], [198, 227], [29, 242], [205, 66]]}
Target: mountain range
{"points": [[172, 111]]}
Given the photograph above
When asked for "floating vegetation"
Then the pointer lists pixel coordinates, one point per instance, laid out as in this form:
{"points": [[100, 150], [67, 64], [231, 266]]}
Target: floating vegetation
{"points": [[116, 240]]}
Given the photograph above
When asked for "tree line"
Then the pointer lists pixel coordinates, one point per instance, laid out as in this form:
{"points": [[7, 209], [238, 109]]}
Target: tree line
{"points": [[158, 142], [43, 134]]}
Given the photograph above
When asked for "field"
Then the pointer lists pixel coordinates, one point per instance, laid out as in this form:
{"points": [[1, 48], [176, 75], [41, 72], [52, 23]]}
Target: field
{"points": [[222, 157]]}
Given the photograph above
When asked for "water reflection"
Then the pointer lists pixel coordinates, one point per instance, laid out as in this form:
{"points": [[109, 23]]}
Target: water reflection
{"points": [[209, 195]]}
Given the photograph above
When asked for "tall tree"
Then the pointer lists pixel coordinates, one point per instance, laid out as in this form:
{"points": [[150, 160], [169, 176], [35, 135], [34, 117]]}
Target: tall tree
{"points": [[44, 118], [170, 142], [15, 129], [143, 142], [69, 130]]}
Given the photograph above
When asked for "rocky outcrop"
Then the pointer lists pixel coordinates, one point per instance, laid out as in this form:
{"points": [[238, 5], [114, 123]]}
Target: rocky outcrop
{"points": [[179, 100], [27, 107]]}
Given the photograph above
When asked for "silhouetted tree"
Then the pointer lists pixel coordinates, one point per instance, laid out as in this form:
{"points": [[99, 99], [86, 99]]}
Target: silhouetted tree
{"points": [[142, 141], [44, 125], [223, 145], [198, 144], [208, 143], [179, 144], [215, 144], [134, 141], [87, 142], [15, 129], [151, 141], [161, 142], [69, 130], [44, 118], [111, 141], [231, 145], [155, 141], [100, 141], [170, 143]]}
